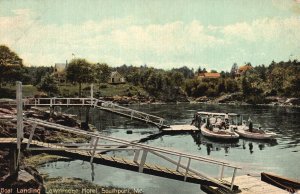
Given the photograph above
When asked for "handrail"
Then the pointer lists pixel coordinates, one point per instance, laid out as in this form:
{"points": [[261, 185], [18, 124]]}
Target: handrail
{"points": [[91, 102], [162, 150]]}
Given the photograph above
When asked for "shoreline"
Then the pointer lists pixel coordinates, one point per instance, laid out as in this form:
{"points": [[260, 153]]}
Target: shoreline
{"points": [[30, 162]]}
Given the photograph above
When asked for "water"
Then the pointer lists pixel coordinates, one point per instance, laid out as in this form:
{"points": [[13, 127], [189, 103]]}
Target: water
{"points": [[281, 156]]}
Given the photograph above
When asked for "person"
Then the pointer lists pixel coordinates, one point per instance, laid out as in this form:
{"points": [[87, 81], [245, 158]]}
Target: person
{"points": [[250, 125], [226, 120]]}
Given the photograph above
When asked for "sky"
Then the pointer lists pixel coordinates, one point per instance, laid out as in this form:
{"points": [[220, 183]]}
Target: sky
{"points": [[212, 34]]}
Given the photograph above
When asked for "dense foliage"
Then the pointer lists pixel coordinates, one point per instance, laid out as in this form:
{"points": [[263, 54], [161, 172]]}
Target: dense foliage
{"points": [[11, 65], [277, 79]]}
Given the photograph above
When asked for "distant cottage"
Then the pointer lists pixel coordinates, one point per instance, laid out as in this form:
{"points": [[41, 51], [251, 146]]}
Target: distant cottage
{"points": [[116, 78], [209, 75]]}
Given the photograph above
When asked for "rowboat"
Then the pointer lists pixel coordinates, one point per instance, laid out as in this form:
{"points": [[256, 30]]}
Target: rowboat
{"points": [[243, 131]]}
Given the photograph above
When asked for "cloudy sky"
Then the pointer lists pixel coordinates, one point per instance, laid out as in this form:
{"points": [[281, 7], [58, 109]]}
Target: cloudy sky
{"points": [[160, 33]]}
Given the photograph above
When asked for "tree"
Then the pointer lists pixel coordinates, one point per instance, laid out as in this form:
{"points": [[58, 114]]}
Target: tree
{"points": [[48, 84], [80, 71], [234, 69], [11, 65], [102, 71]]}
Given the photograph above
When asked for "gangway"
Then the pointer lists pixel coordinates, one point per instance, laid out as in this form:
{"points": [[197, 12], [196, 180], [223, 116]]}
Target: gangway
{"points": [[89, 152], [99, 104]]}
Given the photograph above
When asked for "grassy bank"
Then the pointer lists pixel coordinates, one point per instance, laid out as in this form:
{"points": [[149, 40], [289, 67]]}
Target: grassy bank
{"points": [[71, 90]]}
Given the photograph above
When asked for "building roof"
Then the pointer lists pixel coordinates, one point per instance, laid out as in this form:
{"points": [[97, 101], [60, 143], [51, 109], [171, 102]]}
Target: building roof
{"points": [[210, 75], [245, 68]]}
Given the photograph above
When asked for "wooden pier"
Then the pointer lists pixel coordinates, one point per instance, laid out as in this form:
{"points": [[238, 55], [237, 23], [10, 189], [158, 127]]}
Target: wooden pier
{"points": [[247, 185], [101, 105], [180, 128], [181, 173]]}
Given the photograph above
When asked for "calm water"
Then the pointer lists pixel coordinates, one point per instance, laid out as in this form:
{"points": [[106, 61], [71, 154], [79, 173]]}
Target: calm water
{"points": [[281, 156]]}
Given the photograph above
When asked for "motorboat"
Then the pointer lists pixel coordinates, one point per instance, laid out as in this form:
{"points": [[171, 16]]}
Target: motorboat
{"points": [[218, 133], [215, 125]]}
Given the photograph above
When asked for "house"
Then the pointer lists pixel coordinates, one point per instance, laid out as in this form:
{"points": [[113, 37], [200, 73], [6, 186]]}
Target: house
{"points": [[209, 75], [60, 71], [116, 78], [243, 69]]}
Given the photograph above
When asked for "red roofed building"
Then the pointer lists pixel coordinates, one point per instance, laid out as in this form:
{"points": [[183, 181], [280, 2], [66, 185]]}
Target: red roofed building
{"points": [[243, 69]]}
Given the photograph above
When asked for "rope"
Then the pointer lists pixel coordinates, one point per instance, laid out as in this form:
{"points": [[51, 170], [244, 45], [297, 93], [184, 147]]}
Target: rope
{"points": [[289, 189]]}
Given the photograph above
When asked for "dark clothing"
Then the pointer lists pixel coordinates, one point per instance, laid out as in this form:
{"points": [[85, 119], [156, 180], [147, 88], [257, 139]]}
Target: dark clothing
{"points": [[250, 127]]}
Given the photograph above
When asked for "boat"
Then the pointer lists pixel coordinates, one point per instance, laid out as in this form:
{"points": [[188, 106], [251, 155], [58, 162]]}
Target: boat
{"points": [[226, 125], [256, 133], [217, 133], [216, 125]]}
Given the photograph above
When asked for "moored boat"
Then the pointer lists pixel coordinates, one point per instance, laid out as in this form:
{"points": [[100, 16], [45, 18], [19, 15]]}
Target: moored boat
{"points": [[229, 126], [243, 131], [217, 133]]}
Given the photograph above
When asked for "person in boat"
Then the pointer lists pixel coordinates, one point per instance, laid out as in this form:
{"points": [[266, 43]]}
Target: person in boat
{"points": [[208, 125], [226, 120], [250, 125]]}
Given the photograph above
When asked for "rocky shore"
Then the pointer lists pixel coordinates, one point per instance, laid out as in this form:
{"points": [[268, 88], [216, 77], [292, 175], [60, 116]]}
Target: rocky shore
{"points": [[234, 98], [28, 179]]}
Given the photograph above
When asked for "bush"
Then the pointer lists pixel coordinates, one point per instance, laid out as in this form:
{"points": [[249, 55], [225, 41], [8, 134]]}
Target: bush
{"points": [[102, 86]]}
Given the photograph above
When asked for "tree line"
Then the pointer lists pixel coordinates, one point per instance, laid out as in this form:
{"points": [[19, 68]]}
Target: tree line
{"points": [[276, 79]]}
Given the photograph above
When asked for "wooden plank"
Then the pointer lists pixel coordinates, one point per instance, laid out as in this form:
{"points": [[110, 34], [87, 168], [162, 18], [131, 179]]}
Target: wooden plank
{"points": [[178, 128], [249, 184]]}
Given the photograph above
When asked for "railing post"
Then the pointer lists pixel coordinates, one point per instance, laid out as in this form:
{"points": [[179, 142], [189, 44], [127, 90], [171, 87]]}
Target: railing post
{"points": [[96, 103], [31, 135], [143, 160], [50, 102], [136, 155], [222, 171], [92, 92], [131, 115], [178, 164], [187, 169], [94, 150], [233, 177], [92, 141]]}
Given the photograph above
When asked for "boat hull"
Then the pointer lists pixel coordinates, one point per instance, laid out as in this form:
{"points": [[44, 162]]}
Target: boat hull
{"points": [[250, 135], [207, 133]]}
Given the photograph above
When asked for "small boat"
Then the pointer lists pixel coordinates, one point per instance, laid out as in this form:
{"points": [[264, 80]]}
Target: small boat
{"points": [[229, 126], [218, 133], [256, 133]]}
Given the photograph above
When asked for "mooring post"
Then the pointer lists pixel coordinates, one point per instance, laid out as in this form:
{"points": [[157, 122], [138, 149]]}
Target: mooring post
{"points": [[20, 133], [12, 160]]}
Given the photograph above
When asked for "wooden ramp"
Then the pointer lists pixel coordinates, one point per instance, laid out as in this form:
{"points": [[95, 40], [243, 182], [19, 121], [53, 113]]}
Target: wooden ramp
{"points": [[247, 185], [100, 104], [75, 153]]}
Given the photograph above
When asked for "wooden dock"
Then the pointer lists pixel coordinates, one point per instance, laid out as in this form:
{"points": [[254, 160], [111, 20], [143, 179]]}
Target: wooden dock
{"points": [[180, 128], [77, 153], [247, 185], [100, 104]]}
